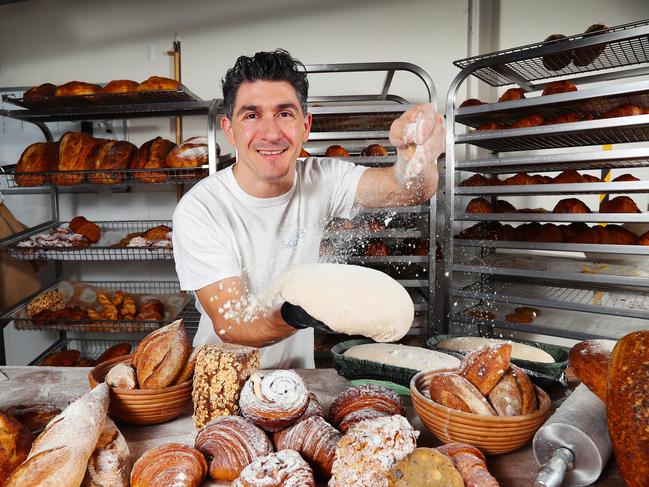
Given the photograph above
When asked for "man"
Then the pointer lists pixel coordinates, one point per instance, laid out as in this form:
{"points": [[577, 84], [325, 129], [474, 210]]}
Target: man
{"points": [[237, 231]]}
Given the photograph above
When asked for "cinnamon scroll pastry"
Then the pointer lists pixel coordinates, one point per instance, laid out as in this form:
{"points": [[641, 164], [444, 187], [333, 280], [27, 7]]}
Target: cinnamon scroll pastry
{"points": [[171, 464], [366, 396], [284, 468], [274, 400]]}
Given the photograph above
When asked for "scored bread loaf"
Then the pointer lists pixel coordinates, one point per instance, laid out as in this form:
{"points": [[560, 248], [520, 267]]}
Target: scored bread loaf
{"points": [[152, 155], [484, 366], [191, 153], [627, 406], [40, 92], [15, 441], [456, 392], [74, 148], [161, 356], [110, 463], [112, 155], [76, 88], [41, 157], [158, 83], [60, 454]]}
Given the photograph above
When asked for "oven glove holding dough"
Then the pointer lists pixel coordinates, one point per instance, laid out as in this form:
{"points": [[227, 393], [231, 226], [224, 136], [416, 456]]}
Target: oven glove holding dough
{"points": [[298, 318]]}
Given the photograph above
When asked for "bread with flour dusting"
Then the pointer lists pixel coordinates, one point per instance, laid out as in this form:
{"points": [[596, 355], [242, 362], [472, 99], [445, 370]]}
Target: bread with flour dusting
{"points": [[416, 358]]}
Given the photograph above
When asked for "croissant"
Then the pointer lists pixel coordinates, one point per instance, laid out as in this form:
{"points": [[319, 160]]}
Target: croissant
{"points": [[284, 468], [619, 204], [479, 205], [230, 443], [512, 94], [171, 464], [365, 396], [470, 462], [274, 400], [531, 121], [571, 205], [558, 87], [314, 439]]}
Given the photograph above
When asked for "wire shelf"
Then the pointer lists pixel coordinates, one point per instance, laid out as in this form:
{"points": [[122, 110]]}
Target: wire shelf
{"points": [[626, 187], [90, 348], [593, 102], [594, 217], [626, 45], [100, 253], [596, 249], [621, 130], [365, 122], [189, 313]]}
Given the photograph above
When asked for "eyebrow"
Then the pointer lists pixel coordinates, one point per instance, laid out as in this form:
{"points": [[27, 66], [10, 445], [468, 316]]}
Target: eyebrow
{"points": [[254, 108]]}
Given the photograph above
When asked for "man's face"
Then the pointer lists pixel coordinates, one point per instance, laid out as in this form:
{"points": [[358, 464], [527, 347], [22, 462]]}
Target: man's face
{"points": [[268, 129]]}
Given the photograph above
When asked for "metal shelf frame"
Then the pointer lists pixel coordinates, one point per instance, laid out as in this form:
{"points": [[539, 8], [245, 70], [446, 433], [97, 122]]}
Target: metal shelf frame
{"points": [[623, 58]]}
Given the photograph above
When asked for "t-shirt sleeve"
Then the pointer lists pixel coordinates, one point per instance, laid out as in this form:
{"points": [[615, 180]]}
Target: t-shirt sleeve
{"points": [[343, 177], [203, 254]]}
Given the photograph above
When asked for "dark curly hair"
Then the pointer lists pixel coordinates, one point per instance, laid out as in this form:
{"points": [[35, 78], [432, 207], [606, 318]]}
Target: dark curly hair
{"points": [[277, 65]]}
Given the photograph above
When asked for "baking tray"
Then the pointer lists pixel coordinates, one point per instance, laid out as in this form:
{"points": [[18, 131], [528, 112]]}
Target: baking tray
{"points": [[543, 375]]}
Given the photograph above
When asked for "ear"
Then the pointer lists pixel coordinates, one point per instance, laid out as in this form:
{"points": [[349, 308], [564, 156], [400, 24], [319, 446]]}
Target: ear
{"points": [[308, 119], [226, 126]]}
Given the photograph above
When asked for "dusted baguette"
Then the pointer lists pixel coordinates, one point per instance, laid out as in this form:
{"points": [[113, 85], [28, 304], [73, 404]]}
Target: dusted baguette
{"points": [[627, 407], [110, 463], [59, 456]]}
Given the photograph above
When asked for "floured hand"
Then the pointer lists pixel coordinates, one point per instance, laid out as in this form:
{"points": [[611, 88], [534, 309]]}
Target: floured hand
{"points": [[418, 136]]}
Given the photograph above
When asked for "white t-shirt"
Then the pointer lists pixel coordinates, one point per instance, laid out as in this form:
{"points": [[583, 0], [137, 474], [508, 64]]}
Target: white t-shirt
{"points": [[221, 231]]}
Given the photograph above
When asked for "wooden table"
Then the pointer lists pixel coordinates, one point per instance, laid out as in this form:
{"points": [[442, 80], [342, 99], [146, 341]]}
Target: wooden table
{"points": [[60, 385]]}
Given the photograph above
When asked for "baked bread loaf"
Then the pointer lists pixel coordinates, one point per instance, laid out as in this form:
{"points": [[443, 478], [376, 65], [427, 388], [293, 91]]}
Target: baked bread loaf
{"points": [[63, 358], [121, 376], [336, 151], [519, 350], [152, 155], [520, 178], [555, 87], [484, 366], [40, 92], [589, 361], [74, 149], [374, 150], [643, 239], [529, 121], [590, 179], [190, 154], [112, 156], [502, 206], [115, 351], [558, 61], [173, 464], [479, 205], [230, 443], [514, 394], [77, 88], [365, 396], [188, 369], [571, 205], [110, 463], [56, 461], [623, 111], [161, 356], [456, 392], [41, 157], [220, 373], [568, 176], [158, 83], [616, 235], [425, 467], [619, 204], [368, 451], [284, 468], [588, 55], [569, 118], [120, 86], [314, 439], [377, 248], [274, 400], [15, 442], [493, 126], [512, 94], [34, 416], [471, 102], [156, 233], [470, 462], [627, 404], [625, 178], [477, 180]]}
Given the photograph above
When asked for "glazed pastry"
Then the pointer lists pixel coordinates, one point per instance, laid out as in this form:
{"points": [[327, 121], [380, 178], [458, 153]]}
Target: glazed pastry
{"points": [[558, 61], [470, 462], [15, 442], [41, 157], [230, 443], [158, 83], [156, 233], [219, 375], [512, 94], [456, 392], [479, 205], [336, 151], [502, 206], [531, 121], [477, 180], [120, 86], [77, 88], [365, 396], [425, 467], [374, 150], [284, 468], [625, 178], [110, 463], [274, 400], [40, 92], [471, 102], [541, 179], [521, 178], [555, 87], [369, 450], [571, 205], [34, 416], [514, 395], [623, 111], [619, 204], [171, 464], [90, 231], [567, 177], [152, 310], [484, 366], [162, 354], [617, 235], [590, 179], [152, 155], [314, 439], [588, 55]]}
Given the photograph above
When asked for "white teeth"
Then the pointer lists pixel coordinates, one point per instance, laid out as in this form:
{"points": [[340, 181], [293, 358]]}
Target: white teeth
{"points": [[270, 152]]}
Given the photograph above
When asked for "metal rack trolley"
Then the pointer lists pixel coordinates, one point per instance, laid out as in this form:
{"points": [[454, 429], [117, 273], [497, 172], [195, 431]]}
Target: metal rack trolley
{"points": [[563, 286]]}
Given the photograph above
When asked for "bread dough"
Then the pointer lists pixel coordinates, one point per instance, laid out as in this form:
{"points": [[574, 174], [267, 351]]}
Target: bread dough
{"points": [[519, 350], [350, 299], [416, 358]]}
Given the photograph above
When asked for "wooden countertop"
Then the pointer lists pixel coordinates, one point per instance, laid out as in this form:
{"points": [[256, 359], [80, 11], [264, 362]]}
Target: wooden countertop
{"points": [[60, 385]]}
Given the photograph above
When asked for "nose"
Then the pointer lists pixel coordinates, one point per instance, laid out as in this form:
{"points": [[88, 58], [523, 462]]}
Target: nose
{"points": [[270, 130]]}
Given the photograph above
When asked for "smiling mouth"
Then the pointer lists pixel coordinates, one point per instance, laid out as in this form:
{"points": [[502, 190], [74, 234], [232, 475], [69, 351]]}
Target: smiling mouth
{"points": [[271, 152]]}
